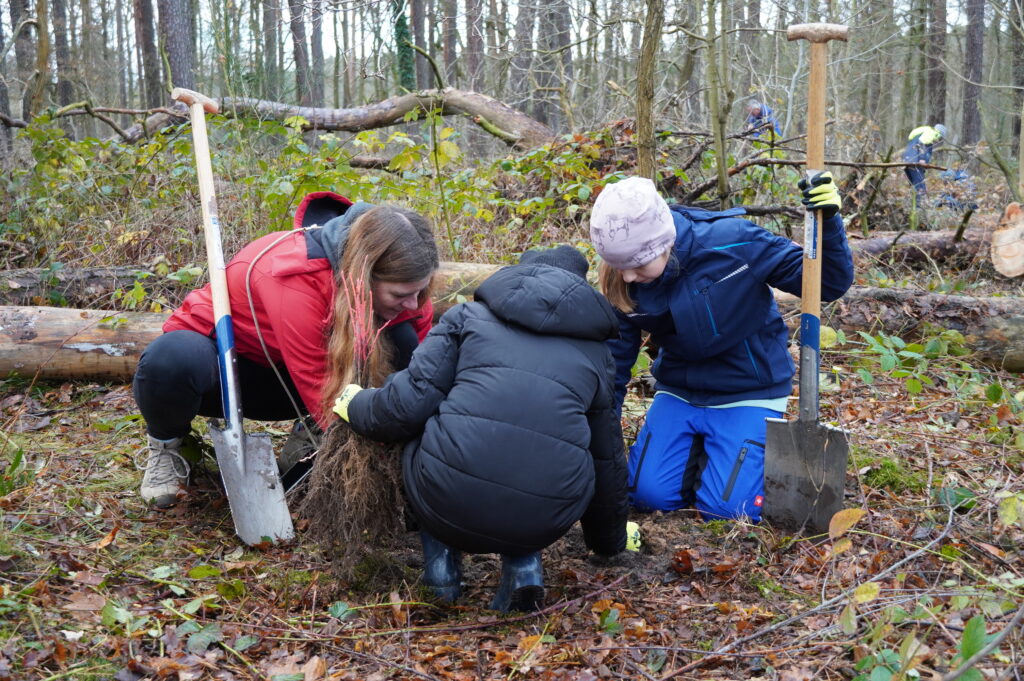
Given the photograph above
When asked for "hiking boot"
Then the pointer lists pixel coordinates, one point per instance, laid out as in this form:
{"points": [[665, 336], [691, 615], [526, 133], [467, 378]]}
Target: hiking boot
{"points": [[522, 584], [442, 568], [166, 472]]}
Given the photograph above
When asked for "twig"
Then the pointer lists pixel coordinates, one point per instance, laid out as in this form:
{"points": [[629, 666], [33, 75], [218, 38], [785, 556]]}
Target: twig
{"points": [[818, 608], [433, 65]]}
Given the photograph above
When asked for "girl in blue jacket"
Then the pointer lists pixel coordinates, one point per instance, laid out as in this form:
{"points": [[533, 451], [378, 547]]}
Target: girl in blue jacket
{"points": [[698, 283]]}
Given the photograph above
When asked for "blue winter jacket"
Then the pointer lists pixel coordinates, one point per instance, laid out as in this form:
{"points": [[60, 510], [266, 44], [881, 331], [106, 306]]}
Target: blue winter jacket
{"points": [[712, 314]]}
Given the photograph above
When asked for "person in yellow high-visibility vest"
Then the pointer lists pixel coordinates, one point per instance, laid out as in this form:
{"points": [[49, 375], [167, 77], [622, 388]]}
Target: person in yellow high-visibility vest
{"points": [[920, 144]]}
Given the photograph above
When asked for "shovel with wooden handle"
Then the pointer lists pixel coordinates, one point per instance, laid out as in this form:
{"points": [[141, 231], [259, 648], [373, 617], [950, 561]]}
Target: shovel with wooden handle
{"points": [[246, 462], [805, 460]]}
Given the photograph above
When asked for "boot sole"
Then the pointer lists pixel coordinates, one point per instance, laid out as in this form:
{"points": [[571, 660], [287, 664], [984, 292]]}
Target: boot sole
{"points": [[527, 598]]}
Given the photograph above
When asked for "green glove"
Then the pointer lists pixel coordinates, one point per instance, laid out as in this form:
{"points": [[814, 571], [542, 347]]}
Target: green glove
{"points": [[344, 399], [632, 536], [821, 194]]}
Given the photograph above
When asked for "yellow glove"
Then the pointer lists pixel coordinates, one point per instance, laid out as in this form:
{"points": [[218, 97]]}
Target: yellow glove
{"points": [[632, 536], [821, 193], [344, 399]]}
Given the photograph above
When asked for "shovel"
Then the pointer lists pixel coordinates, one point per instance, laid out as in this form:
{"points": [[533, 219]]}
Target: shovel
{"points": [[246, 462], [805, 460]]}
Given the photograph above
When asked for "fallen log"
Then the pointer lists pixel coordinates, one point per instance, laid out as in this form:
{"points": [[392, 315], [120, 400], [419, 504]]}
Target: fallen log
{"points": [[66, 343], [58, 343], [915, 248], [96, 287], [511, 126]]}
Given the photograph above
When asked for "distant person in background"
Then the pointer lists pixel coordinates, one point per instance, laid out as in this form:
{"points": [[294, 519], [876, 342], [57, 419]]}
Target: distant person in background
{"points": [[920, 145], [760, 119]]}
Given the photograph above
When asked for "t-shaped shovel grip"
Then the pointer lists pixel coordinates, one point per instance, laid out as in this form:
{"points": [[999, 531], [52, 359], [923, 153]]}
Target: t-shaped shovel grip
{"points": [[810, 297]]}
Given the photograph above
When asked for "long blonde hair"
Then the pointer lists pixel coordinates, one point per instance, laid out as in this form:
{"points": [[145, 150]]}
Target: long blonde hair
{"points": [[385, 244], [614, 288]]}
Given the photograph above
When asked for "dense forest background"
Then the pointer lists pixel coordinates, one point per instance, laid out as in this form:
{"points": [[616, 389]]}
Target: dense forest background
{"points": [[567, 63]]}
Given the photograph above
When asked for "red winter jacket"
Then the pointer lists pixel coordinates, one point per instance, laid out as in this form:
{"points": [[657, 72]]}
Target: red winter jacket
{"points": [[292, 295]]}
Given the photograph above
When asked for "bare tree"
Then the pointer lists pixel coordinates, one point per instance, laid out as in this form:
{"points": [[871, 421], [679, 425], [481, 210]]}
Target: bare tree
{"points": [[35, 89], [417, 12], [936, 57], [144, 36], [522, 55], [61, 53], [474, 45], [974, 49], [301, 51], [450, 38], [645, 88], [6, 138], [178, 39], [316, 48], [271, 32]]}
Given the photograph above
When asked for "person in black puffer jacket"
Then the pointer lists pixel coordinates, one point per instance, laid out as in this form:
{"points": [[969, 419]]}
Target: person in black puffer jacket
{"points": [[514, 435]]}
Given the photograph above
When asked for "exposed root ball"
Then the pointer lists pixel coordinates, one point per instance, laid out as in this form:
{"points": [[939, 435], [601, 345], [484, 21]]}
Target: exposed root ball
{"points": [[354, 504]]}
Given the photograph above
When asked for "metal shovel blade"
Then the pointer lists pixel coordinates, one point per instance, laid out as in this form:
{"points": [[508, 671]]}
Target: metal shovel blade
{"points": [[255, 493], [804, 474]]}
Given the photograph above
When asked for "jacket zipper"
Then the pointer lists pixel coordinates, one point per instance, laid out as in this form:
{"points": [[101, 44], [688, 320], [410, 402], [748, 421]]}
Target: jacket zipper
{"points": [[750, 355], [707, 298]]}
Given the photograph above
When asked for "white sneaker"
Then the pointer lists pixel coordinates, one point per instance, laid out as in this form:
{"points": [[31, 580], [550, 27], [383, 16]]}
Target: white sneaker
{"points": [[166, 473]]}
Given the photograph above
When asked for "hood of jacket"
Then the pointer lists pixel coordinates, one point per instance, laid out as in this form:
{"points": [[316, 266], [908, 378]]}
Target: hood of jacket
{"points": [[548, 300], [329, 241]]}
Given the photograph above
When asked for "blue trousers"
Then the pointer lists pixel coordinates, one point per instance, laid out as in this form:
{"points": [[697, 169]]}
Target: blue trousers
{"points": [[700, 456]]}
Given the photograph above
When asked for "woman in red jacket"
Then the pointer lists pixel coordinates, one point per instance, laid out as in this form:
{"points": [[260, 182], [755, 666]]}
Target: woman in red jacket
{"points": [[293, 325]]}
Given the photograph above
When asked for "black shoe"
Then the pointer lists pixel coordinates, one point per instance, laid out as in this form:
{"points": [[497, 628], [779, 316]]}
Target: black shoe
{"points": [[295, 459], [522, 584], [442, 568]]}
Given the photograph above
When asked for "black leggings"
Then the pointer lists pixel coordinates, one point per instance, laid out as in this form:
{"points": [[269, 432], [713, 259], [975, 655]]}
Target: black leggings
{"points": [[178, 378]]}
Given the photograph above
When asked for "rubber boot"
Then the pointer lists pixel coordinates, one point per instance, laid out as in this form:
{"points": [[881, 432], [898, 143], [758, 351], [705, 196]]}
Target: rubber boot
{"points": [[442, 568], [522, 584]]}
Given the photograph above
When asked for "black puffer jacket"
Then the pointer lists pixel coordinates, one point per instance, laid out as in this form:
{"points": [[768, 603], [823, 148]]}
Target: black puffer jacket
{"points": [[510, 408]]}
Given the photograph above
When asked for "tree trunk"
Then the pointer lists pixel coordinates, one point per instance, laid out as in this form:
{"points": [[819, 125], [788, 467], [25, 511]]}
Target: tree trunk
{"points": [[646, 146], [144, 34], [936, 58], [178, 39], [24, 49], [271, 23], [6, 136], [519, 90], [417, 21], [316, 49], [974, 48], [62, 54], [405, 61], [69, 343], [300, 50], [1016, 25], [449, 30], [474, 45], [717, 100], [36, 89]]}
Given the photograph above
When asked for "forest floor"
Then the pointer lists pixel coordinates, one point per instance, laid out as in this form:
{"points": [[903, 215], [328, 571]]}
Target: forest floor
{"points": [[95, 585]]}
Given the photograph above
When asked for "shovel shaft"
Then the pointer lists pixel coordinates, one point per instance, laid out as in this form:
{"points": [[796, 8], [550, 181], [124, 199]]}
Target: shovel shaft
{"points": [[810, 296], [231, 403]]}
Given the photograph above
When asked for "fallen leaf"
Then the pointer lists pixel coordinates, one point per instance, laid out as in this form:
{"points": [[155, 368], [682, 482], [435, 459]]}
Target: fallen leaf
{"points": [[107, 540], [842, 521], [85, 601]]}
